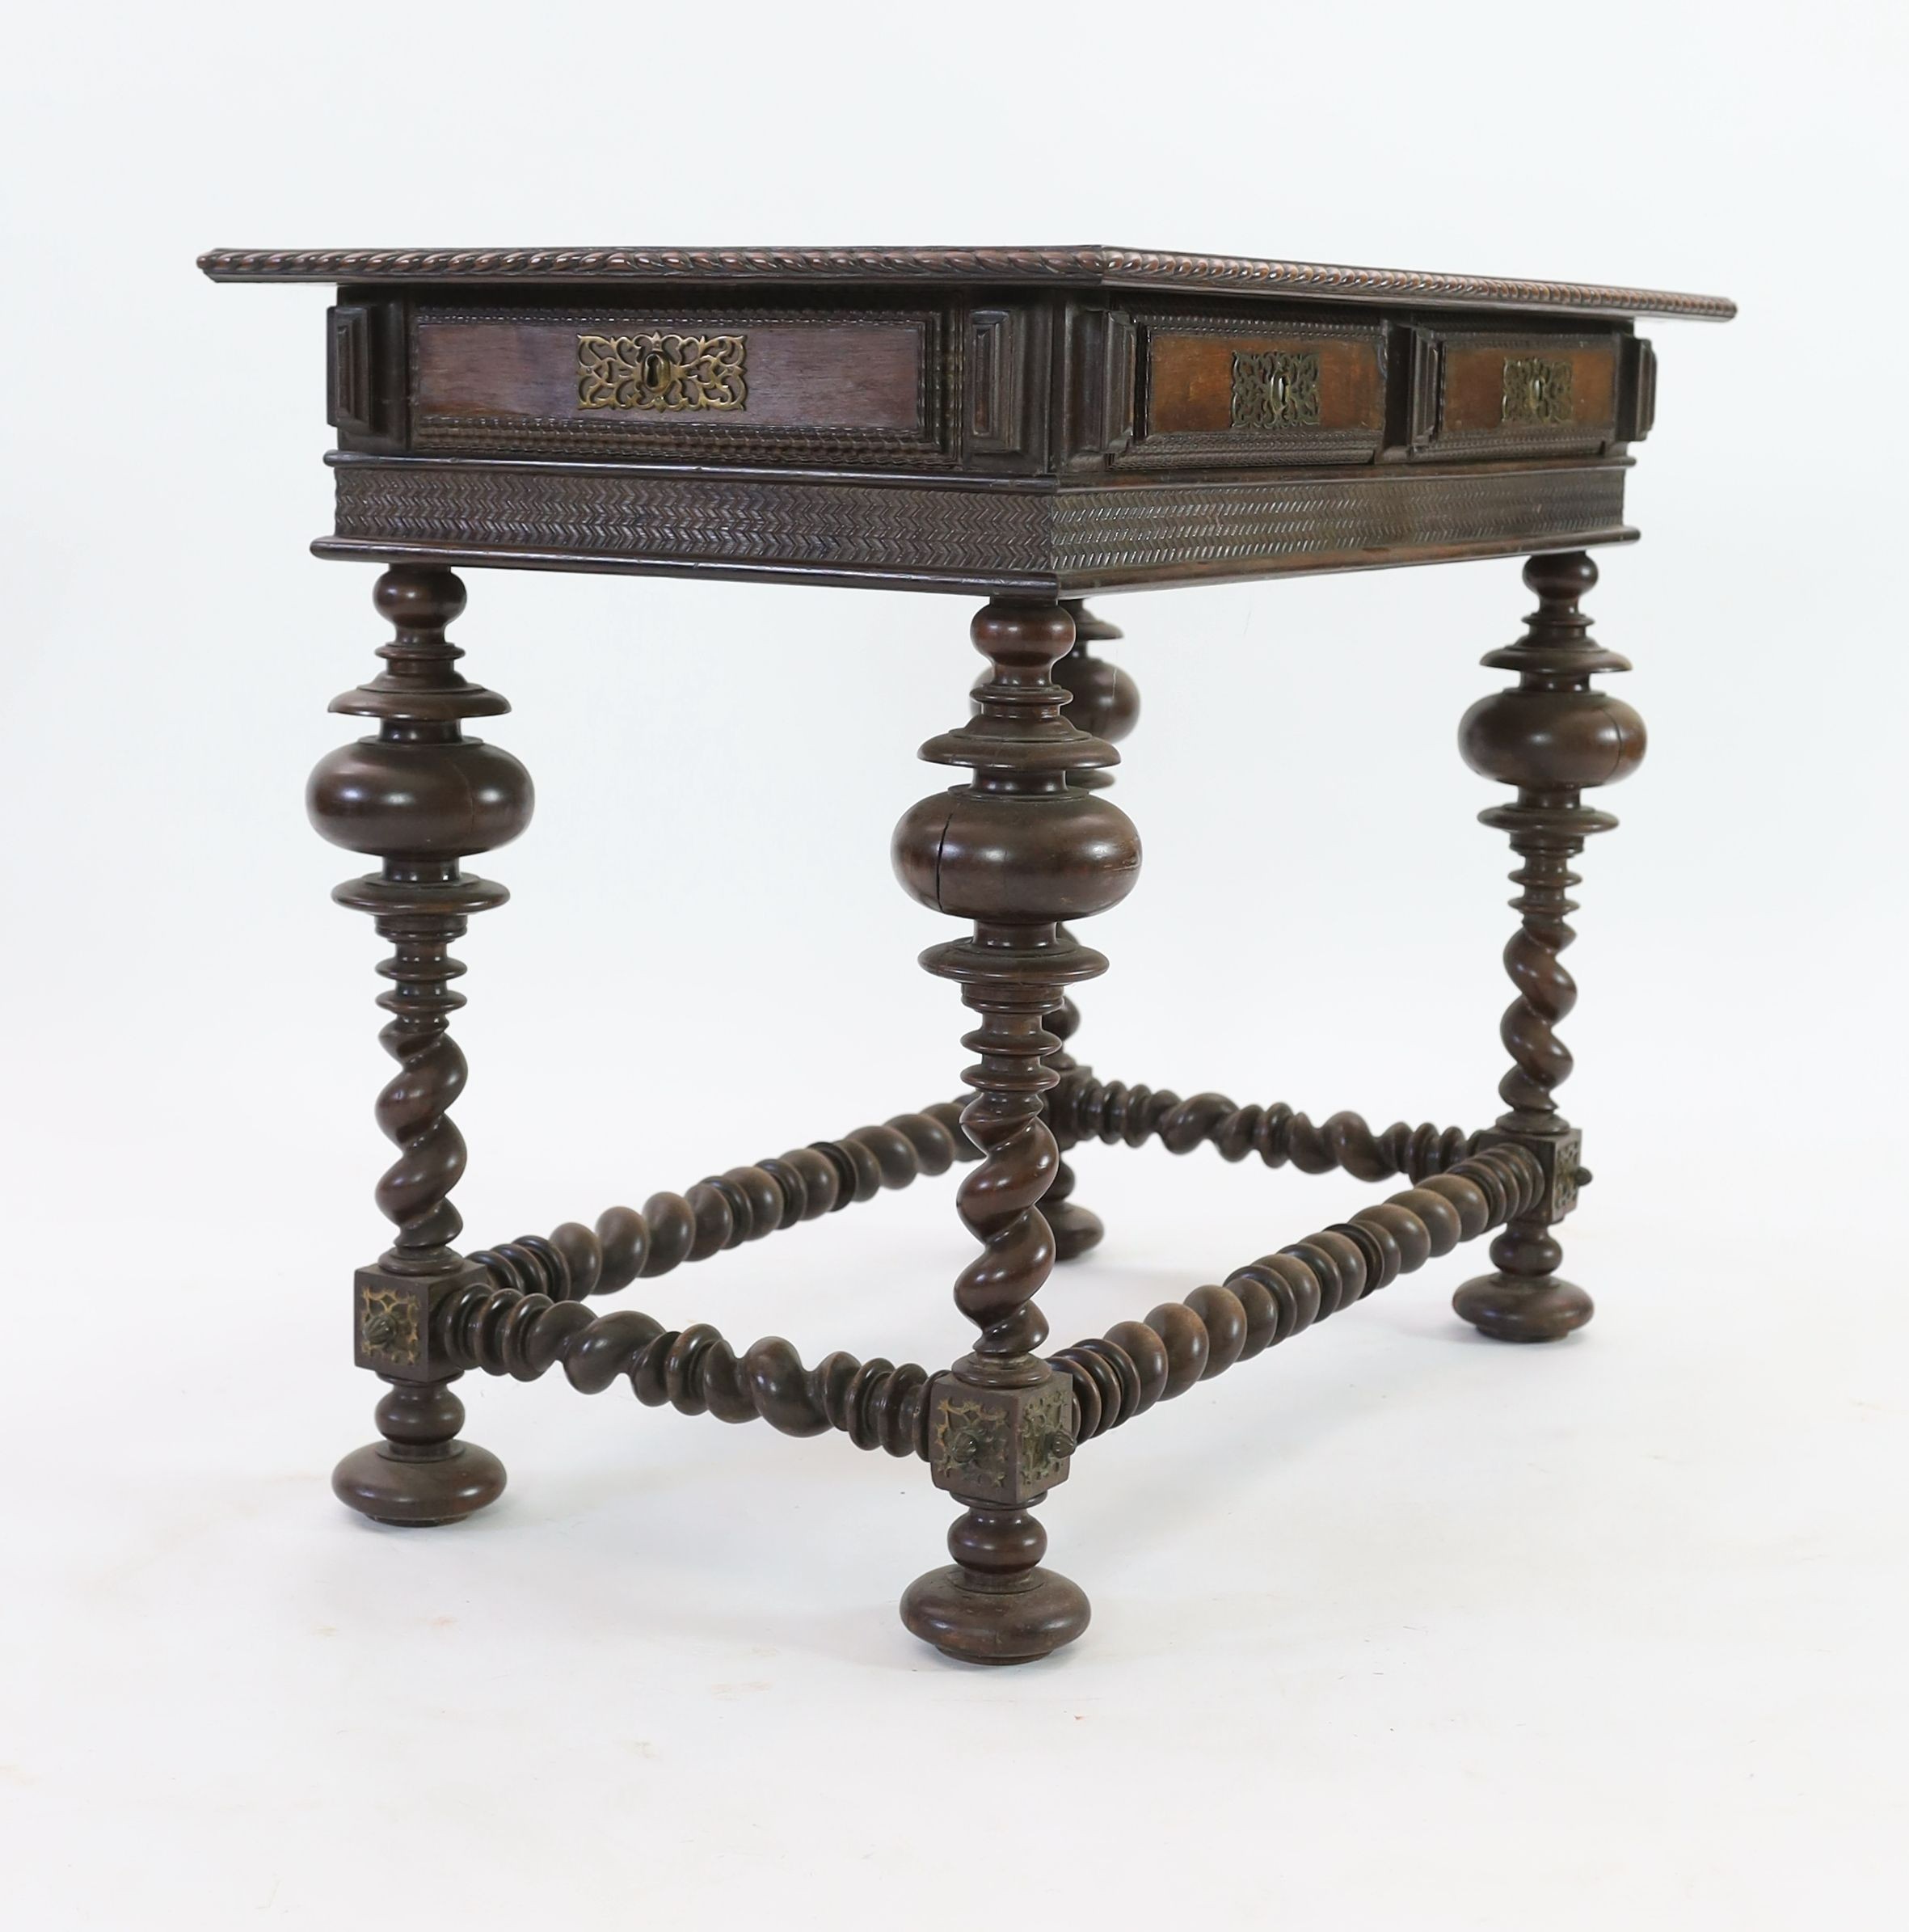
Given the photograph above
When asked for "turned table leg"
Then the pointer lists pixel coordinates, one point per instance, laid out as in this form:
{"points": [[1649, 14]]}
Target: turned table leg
{"points": [[1553, 737], [1106, 704], [1018, 851], [419, 796]]}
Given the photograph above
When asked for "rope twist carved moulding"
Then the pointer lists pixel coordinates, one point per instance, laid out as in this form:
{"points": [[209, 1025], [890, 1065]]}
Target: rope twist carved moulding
{"points": [[1085, 263]]}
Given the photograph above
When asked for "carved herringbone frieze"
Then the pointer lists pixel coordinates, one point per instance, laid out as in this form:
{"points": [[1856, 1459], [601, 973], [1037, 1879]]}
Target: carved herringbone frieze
{"points": [[744, 519], [1245, 523], [1076, 532]]}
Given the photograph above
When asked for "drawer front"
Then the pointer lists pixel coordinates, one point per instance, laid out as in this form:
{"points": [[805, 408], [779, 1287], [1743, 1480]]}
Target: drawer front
{"points": [[1502, 395], [618, 382], [1214, 394]]}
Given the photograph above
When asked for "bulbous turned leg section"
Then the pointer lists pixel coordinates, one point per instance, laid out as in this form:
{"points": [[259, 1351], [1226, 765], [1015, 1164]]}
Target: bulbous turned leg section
{"points": [[421, 1474], [1525, 1302], [995, 1604]]}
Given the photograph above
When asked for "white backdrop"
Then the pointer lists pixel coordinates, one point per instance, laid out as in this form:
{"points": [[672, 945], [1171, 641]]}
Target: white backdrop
{"points": [[1394, 1629]]}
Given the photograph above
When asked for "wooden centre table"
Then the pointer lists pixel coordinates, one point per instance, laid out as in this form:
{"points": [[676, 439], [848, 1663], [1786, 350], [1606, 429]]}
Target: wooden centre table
{"points": [[1030, 426]]}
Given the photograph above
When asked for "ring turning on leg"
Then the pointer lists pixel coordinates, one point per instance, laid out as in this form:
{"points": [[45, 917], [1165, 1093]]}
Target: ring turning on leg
{"points": [[419, 796], [1552, 737], [1018, 849]]}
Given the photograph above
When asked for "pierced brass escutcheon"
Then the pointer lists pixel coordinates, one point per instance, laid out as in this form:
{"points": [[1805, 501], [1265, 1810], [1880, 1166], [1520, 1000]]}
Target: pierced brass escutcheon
{"points": [[1274, 389], [664, 372], [1536, 390]]}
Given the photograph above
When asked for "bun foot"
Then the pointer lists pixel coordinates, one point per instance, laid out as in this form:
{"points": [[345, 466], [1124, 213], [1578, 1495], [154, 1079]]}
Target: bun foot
{"points": [[973, 1621], [994, 1604], [420, 1474], [1075, 1229], [1512, 1308], [378, 1482]]}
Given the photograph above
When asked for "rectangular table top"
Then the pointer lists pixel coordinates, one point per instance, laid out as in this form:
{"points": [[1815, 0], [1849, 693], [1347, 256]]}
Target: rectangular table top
{"points": [[1021, 421], [1085, 265]]}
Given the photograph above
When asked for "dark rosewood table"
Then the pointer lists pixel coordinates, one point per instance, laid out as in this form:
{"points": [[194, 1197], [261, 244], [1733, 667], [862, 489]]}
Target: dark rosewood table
{"points": [[1029, 426]]}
